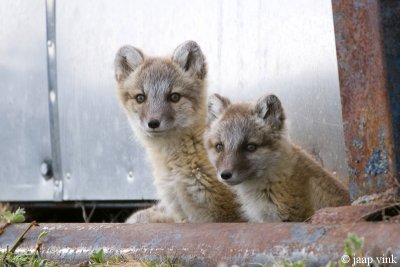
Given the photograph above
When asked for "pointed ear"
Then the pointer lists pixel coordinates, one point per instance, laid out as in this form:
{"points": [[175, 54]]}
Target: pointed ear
{"points": [[270, 109], [190, 58], [127, 59], [216, 105]]}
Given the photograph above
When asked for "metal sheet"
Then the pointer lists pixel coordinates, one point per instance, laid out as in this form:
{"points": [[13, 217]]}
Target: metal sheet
{"points": [[24, 118], [282, 47]]}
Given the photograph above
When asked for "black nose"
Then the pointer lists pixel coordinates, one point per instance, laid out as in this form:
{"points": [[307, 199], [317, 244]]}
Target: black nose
{"points": [[226, 175], [154, 124]]}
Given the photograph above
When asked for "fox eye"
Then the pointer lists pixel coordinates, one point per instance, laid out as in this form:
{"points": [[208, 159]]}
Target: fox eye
{"points": [[251, 147], [140, 98], [219, 147], [174, 97]]}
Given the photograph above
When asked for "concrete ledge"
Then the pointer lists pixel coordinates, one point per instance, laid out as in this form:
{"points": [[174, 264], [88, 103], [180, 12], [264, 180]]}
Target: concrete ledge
{"points": [[207, 244]]}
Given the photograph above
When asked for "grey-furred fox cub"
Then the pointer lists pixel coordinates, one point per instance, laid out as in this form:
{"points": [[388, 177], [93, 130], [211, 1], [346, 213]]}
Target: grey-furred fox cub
{"points": [[165, 102], [274, 179]]}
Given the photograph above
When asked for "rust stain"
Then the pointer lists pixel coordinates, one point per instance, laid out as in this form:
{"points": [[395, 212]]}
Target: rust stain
{"points": [[366, 109]]}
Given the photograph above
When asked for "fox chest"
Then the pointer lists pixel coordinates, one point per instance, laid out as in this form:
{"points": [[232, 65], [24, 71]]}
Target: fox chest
{"points": [[168, 189], [259, 208]]}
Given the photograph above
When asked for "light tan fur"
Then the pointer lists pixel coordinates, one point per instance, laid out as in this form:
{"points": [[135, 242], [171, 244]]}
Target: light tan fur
{"points": [[275, 180], [185, 179], [154, 214]]}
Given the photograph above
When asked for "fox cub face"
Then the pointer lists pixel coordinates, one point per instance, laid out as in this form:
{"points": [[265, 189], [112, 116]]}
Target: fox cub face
{"points": [[242, 139], [161, 95]]}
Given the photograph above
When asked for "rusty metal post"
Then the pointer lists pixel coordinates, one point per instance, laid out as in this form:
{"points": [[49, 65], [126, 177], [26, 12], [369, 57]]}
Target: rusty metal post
{"points": [[370, 122]]}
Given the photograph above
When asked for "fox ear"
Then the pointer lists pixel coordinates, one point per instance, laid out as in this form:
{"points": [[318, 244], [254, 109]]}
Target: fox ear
{"points": [[127, 59], [216, 105], [270, 109], [189, 57]]}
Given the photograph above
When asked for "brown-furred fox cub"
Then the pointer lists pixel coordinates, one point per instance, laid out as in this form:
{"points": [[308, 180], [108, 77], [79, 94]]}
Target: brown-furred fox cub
{"points": [[274, 179], [165, 101]]}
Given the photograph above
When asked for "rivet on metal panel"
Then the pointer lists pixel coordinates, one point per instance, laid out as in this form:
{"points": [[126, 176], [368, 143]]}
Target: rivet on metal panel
{"points": [[46, 170], [58, 188], [52, 96], [130, 176]]}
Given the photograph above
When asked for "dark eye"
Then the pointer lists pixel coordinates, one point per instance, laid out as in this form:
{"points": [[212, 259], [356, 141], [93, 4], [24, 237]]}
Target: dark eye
{"points": [[140, 98], [175, 97], [219, 147], [251, 147]]}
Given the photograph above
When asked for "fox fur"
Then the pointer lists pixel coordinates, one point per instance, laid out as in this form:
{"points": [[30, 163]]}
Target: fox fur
{"points": [[274, 179], [165, 102]]}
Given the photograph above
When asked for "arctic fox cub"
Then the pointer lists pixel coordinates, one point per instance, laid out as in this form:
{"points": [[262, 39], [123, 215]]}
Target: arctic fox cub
{"points": [[165, 102], [274, 179]]}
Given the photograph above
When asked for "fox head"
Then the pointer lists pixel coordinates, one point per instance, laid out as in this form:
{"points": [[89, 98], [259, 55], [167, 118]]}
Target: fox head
{"points": [[161, 95], [243, 140]]}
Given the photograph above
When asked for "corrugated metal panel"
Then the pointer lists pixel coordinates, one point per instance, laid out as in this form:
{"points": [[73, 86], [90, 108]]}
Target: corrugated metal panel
{"points": [[24, 117]]}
